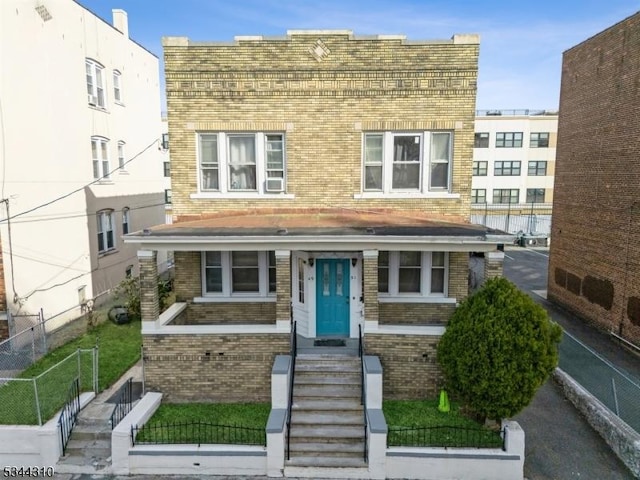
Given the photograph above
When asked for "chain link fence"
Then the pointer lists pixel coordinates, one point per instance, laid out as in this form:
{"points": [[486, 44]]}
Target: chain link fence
{"points": [[33, 401], [616, 389], [513, 218], [22, 349]]}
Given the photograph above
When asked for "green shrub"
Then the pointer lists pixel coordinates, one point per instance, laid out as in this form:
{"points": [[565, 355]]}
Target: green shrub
{"points": [[498, 349]]}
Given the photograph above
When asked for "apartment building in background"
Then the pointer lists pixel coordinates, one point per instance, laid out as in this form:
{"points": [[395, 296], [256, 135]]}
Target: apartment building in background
{"points": [[514, 154], [81, 154], [594, 264]]}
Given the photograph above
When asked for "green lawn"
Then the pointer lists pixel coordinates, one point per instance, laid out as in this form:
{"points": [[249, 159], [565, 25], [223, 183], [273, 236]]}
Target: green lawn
{"points": [[207, 423], [420, 423], [119, 350]]}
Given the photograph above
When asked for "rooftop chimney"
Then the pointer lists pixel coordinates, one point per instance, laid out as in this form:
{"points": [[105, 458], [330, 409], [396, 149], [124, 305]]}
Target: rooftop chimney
{"points": [[120, 21]]}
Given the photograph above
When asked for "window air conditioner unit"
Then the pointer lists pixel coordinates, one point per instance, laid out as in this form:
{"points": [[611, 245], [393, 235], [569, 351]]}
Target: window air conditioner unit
{"points": [[275, 184], [92, 99]]}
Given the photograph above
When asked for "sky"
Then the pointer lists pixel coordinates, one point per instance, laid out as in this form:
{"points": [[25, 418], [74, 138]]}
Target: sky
{"points": [[521, 42]]}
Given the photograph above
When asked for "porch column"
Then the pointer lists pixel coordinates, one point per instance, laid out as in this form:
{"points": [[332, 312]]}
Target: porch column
{"points": [[370, 273], [149, 303], [283, 286], [493, 264]]}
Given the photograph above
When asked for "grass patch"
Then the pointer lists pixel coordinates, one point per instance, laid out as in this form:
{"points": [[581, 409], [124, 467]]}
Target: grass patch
{"points": [[119, 350], [207, 423], [420, 423]]}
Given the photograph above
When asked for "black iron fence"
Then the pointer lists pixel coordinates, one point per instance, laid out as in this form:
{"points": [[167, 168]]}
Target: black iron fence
{"points": [[363, 391], [294, 352], [123, 403], [445, 436], [200, 433], [69, 414]]}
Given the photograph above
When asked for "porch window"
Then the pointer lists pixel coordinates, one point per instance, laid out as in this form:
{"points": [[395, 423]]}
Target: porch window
{"points": [[243, 273], [412, 273]]}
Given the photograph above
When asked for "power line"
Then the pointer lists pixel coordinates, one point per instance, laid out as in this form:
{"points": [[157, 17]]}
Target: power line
{"points": [[106, 175]]}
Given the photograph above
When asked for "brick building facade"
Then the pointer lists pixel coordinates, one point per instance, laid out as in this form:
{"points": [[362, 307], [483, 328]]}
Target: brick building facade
{"points": [[594, 266], [319, 178]]}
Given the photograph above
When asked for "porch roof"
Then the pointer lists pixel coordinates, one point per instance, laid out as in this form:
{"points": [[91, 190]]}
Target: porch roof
{"points": [[281, 229]]}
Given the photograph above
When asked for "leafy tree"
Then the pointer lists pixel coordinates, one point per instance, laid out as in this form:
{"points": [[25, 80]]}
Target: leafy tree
{"points": [[498, 349]]}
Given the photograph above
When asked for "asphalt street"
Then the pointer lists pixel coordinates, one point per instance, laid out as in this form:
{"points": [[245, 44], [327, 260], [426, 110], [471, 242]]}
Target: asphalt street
{"points": [[559, 443]]}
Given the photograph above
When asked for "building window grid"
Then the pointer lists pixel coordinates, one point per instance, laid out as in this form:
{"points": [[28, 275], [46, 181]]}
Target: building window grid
{"points": [[100, 157], [479, 195], [167, 169], [535, 195], [539, 140], [537, 168], [105, 231], [412, 273], [95, 83], [509, 140], [480, 169], [481, 140], [506, 195], [239, 273], [121, 157], [117, 86], [167, 196], [506, 169]]}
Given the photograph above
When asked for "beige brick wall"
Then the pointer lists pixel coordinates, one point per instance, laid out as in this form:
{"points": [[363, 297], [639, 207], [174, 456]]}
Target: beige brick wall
{"points": [[187, 282], [458, 275], [324, 106], [370, 293], [596, 213], [409, 363], [237, 368], [149, 304], [283, 288], [415, 313], [225, 313]]}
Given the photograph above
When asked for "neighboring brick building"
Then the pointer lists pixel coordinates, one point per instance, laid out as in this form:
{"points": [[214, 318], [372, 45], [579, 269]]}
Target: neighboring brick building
{"points": [[322, 178], [594, 266]]}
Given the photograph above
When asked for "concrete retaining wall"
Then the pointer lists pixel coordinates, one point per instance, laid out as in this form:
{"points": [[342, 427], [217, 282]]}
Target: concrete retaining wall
{"points": [[623, 440]]}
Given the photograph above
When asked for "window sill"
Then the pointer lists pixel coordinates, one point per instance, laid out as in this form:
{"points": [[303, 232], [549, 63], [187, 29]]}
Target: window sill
{"points": [[119, 103], [98, 108], [105, 182], [414, 299], [445, 195], [235, 299], [122, 171], [106, 253], [242, 195]]}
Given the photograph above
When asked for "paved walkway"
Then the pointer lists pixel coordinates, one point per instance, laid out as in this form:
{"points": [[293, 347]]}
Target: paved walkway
{"points": [[560, 444]]}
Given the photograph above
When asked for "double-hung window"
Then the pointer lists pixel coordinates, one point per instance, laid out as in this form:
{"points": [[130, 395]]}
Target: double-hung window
{"points": [[242, 162], [100, 157], [537, 168], [121, 157], [507, 169], [539, 140], [535, 195], [117, 86], [106, 234], [481, 140], [479, 195], [412, 274], [243, 273], [506, 195], [479, 169], [95, 83], [509, 140], [125, 220], [406, 162]]}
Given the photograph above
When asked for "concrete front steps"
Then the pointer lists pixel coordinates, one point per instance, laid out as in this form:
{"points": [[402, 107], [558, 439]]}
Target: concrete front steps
{"points": [[327, 424], [88, 450]]}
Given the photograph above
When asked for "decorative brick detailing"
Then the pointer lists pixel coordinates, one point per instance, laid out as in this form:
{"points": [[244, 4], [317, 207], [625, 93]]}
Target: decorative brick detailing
{"points": [[415, 313], [149, 303], [283, 285], [237, 367], [370, 272], [409, 365], [596, 211], [493, 262]]}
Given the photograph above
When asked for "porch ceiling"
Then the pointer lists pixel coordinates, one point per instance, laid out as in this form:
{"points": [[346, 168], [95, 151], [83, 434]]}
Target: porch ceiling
{"points": [[363, 228]]}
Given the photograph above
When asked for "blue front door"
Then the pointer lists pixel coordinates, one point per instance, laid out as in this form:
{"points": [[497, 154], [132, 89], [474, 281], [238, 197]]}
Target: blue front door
{"points": [[332, 297]]}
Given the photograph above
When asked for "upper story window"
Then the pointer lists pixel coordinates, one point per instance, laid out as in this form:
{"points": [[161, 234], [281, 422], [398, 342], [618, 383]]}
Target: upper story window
{"points": [[167, 169], [243, 273], [506, 169], [537, 168], [479, 169], [117, 86], [242, 162], [478, 195], [539, 140], [167, 196], [106, 231], [481, 140], [535, 195], [506, 195], [100, 156], [95, 84], [509, 140], [412, 273], [121, 157], [125, 220], [401, 162]]}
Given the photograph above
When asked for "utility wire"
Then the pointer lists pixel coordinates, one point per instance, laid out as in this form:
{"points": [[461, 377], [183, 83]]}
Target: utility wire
{"points": [[106, 175]]}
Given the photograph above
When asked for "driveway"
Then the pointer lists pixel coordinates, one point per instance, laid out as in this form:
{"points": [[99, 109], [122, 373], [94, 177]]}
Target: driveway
{"points": [[560, 444]]}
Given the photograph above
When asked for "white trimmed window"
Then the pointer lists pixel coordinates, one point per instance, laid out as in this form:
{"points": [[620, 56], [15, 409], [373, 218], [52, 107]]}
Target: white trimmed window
{"points": [[242, 162], [125, 220], [240, 273], [413, 274], [121, 157], [100, 157], [95, 84], [106, 231], [407, 162], [117, 86]]}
